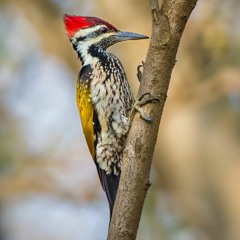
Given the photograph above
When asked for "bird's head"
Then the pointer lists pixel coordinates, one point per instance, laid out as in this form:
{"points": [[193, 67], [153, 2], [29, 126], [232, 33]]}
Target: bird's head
{"points": [[86, 31]]}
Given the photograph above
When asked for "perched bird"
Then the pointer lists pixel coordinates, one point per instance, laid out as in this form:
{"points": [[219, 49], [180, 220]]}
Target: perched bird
{"points": [[103, 95]]}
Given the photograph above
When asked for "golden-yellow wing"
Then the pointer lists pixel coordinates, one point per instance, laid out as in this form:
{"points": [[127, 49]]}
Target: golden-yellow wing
{"points": [[85, 108]]}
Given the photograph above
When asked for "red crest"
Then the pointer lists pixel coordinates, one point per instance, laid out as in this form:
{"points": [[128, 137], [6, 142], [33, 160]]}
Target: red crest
{"points": [[75, 23]]}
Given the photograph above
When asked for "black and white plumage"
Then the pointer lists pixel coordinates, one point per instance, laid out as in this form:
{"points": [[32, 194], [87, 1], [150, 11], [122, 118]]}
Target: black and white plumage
{"points": [[103, 95]]}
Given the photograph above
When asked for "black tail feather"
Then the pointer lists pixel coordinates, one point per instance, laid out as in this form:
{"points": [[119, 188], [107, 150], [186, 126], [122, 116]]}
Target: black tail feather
{"points": [[110, 184]]}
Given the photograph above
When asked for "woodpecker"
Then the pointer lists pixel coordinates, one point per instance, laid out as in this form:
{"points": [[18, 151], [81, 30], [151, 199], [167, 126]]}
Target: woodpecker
{"points": [[103, 95]]}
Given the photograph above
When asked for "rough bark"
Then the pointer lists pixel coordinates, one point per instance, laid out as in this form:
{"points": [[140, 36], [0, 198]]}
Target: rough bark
{"points": [[168, 23]]}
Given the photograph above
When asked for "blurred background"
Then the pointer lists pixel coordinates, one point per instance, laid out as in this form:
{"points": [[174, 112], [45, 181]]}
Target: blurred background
{"points": [[49, 188]]}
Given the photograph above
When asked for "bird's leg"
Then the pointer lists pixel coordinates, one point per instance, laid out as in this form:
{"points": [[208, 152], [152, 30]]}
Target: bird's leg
{"points": [[137, 106], [139, 71]]}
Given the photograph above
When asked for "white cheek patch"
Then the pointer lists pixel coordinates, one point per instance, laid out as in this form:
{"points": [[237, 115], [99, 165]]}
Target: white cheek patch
{"points": [[83, 46]]}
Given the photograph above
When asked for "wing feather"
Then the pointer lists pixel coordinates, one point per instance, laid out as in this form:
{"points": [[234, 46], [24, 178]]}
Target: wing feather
{"points": [[85, 107]]}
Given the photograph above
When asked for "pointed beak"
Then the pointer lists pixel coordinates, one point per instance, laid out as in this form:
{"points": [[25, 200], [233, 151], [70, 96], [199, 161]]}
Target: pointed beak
{"points": [[123, 36]]}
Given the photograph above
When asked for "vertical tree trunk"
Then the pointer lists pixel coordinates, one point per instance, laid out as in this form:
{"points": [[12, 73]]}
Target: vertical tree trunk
{"points": [[168, 23]]}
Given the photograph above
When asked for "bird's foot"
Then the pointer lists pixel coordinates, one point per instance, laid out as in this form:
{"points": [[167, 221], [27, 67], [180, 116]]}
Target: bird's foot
{"points": [[139, 71], [137, 107]]}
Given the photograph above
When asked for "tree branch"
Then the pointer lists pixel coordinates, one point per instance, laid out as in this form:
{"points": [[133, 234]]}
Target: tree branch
{"points": [[168, 23]]}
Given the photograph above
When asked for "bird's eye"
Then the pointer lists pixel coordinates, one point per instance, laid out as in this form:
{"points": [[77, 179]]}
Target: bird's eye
{"points": [[103, 30]]}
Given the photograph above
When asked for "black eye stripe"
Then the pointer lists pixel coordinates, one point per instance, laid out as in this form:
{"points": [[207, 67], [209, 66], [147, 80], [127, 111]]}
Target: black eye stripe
{"points": [[79, 39], [93, 34]]}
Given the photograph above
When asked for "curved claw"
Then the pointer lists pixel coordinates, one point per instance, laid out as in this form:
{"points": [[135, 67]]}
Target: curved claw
{"points": [[145, 94], [148, 119], [139, 72], [137, 107], [150, 99], [144, 116]]}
